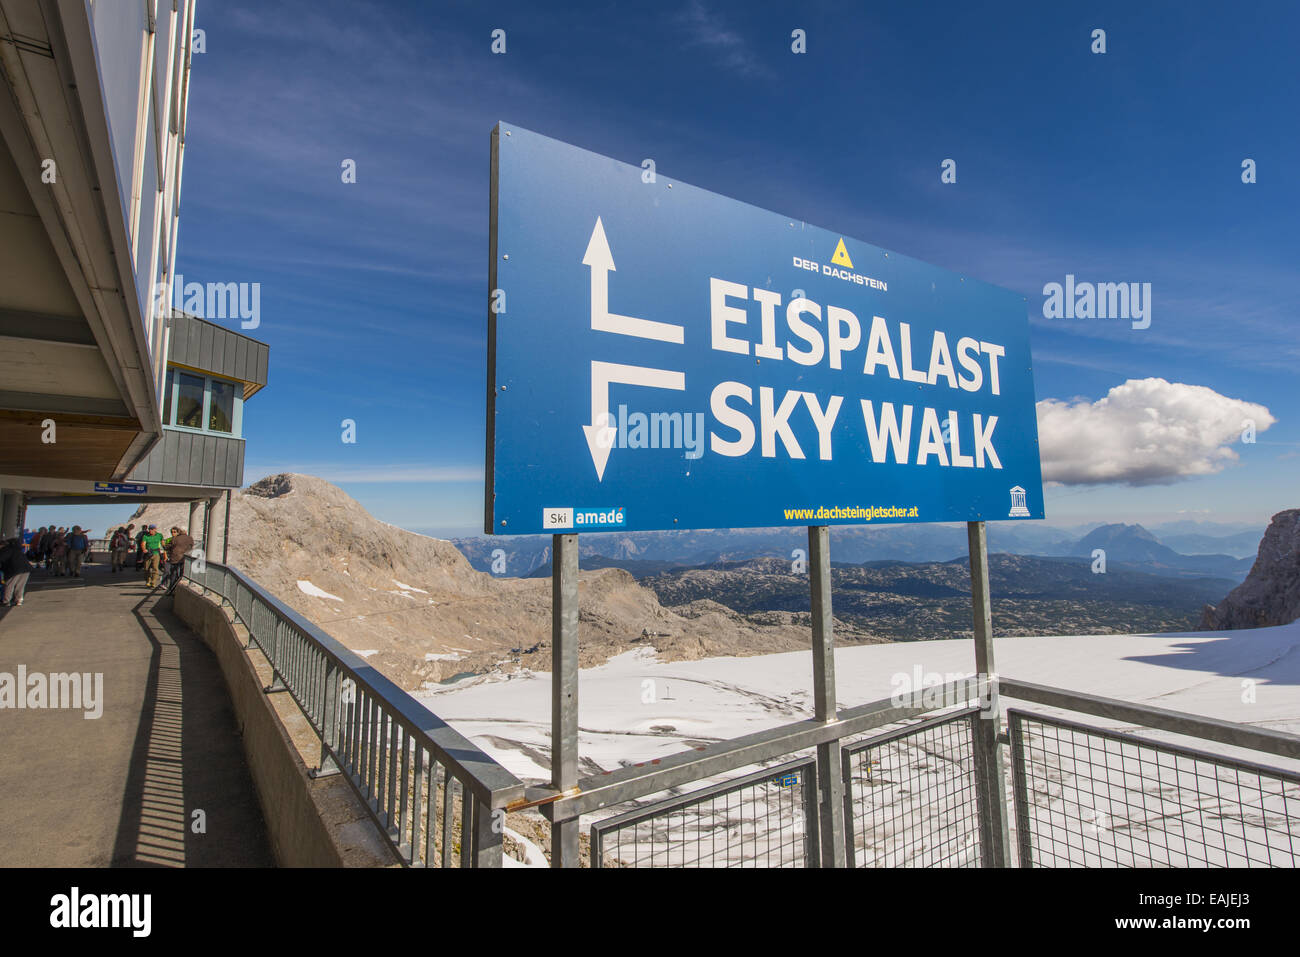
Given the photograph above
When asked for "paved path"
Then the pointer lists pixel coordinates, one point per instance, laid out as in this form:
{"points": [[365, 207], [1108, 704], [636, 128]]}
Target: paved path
{"points": [[121, 789]]}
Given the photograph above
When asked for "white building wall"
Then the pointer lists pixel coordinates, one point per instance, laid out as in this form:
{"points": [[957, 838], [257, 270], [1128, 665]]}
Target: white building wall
{"points": [[144, 59]]}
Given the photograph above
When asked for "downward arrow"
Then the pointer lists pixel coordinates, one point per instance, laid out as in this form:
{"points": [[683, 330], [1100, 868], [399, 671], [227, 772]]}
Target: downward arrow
{"points": [[601, 433], [601, 261]]}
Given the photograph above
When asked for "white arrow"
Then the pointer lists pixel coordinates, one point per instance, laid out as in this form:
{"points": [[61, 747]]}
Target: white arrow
{"points": [[601, 261], [600, 434]]}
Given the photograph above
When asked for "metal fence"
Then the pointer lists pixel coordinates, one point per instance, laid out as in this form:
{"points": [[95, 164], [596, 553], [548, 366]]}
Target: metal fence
{"points": [[911, 798], [911, 783], [764, 819], [438, 798], [759, 818], [1087, 797], [914, 792]]}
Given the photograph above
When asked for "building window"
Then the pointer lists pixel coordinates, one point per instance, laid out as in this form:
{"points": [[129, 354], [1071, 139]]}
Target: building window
{"points": [[199, 403], [221, 406], [189, 400]]}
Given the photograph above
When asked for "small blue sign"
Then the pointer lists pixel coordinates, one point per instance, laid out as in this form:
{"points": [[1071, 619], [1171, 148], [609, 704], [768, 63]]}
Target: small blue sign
{"points": [[787, 780], [121, 488], [663, 357]]}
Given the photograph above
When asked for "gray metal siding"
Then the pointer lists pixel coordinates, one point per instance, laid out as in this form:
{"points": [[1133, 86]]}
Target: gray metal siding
{"points": [[188, 458], [206, 335], [211, 348], [241, 353]]}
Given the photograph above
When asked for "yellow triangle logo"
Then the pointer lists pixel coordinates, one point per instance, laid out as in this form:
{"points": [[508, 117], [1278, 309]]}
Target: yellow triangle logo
{"points": [[841, 257]]}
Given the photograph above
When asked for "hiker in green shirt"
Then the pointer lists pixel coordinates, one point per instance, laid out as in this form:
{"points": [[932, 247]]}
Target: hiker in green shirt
{"points": [[153, 543]]}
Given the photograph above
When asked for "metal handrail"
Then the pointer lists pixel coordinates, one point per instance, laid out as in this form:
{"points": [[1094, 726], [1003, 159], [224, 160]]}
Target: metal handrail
{"points": [[684, 767], [806, 767], [1162, 719], [368, 726]]}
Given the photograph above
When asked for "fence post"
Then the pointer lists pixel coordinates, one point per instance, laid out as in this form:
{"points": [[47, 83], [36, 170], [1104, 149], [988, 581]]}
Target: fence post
{"points": [[1024, 839], [488, 835], [329, 738], [830, 777], [990, 784], [812, 832], [564, 690]]}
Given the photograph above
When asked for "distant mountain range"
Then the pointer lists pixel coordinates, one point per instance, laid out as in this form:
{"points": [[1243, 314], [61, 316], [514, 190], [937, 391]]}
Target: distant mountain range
{"points": [[908, 601], [649, 553]]}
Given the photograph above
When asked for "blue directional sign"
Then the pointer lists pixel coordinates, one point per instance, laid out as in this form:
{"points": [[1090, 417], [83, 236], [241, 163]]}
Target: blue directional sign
{"points": [[664, 357], [121, 488]]}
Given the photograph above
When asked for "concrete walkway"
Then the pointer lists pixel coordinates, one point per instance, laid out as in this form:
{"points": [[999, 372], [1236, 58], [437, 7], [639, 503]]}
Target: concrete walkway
{"points": [[125, 788]]}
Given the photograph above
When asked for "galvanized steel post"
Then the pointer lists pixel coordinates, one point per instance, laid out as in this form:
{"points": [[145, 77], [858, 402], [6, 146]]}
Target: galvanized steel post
{"points": [[564, 690], [829, 761], [487, 838], [225, 534], [990, 783], [209, 506]]}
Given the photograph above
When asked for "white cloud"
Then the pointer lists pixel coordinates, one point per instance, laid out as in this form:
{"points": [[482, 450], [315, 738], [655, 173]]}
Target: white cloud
{"points": [[1144, 432], [707, 29]]}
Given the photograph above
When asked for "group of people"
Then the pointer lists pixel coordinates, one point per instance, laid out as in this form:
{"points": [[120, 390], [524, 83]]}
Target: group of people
{"points": [[63, 552], [151, 551]]}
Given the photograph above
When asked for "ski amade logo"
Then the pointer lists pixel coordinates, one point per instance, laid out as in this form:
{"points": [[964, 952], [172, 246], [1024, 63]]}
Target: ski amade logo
{"points": [[596, 517]]}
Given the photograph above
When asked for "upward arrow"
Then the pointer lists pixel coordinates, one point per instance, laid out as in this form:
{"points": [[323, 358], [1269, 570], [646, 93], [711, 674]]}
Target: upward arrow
{"points": [[601, 261]]}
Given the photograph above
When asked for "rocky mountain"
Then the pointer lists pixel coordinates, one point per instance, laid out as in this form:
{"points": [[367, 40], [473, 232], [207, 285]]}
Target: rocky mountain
{"points": [[422, 614], [1127, 543], [1134, 545], [1270, 595]]}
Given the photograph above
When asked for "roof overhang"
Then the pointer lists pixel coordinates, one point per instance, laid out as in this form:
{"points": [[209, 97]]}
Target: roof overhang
{"points": [[76, 305]]}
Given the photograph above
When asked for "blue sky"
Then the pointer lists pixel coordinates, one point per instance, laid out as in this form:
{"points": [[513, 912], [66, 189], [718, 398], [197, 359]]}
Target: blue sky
{"points": [[1117, 167]]}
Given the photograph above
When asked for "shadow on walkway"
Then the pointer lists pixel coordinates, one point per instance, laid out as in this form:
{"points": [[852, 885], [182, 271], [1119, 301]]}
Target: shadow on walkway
{"points": [[167, 745]]}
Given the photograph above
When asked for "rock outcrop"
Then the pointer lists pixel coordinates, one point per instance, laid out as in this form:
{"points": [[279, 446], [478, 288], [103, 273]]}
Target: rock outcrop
{"points": [[421, 613], [1270, 595]]}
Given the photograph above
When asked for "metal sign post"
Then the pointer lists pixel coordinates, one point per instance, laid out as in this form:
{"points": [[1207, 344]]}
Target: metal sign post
{"points": [[830, 807], [564, 690], [988, 753], [663, 357]]}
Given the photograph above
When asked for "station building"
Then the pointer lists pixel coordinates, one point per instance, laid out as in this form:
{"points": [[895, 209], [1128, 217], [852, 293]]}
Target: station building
{"points": [[106, 390]]}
